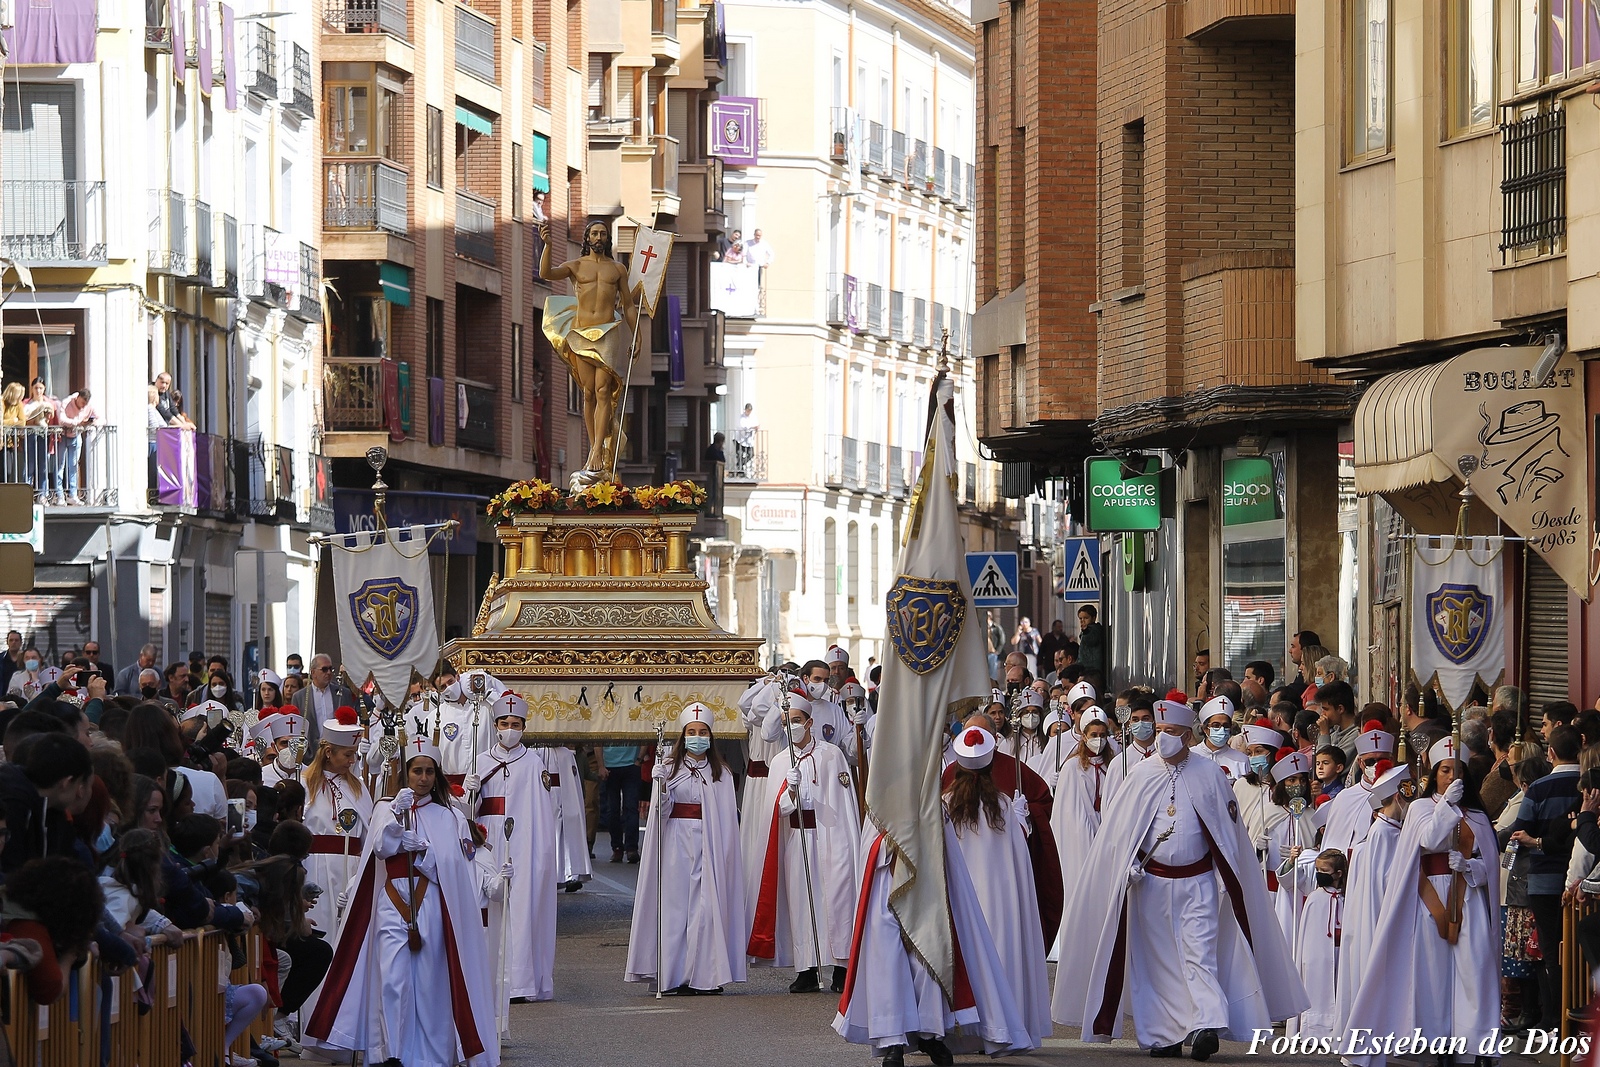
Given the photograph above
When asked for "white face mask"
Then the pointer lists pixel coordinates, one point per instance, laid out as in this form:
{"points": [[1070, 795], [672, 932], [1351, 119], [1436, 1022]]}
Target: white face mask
{"points": [[797, 732], [286, 759], [818, 690], [1095, 745], [1369, 773], [219, 691], [510, 738], [1030, 722], [249, 821], [1169, 745]]}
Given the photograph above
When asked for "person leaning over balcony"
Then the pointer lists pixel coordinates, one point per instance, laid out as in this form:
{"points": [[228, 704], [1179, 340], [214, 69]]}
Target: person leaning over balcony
{"points": [[38, 412], [76, 418], [11, 401], [178, 417]]}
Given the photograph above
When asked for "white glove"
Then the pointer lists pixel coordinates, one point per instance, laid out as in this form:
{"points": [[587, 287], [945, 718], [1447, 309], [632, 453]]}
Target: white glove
{"points": [[249, 916], [1458, 862], [658, 770], [794, 778], [343, 902], [859, 714], [1260, 843], [1019, 808], [363, 746], [403, 801], [411, 841], [472, 783], [1135, 873], [1452, 792], [506, 870]]}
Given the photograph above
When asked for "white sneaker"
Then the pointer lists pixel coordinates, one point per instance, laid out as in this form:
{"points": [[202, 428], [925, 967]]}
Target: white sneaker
{"points": [[272, 1044]]}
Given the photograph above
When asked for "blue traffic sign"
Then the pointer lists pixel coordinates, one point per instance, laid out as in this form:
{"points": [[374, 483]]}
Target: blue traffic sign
{"points": [[994, 579], [1081, 581]]}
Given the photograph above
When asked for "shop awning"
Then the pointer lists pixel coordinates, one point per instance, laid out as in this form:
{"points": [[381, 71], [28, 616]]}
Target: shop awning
{"points": [[395, 281], [1524, 441], [1394, 433], [469, 118]]}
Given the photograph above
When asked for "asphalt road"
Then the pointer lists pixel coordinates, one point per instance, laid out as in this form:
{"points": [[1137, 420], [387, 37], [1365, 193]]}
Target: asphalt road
{"points": [[597, 1018]]}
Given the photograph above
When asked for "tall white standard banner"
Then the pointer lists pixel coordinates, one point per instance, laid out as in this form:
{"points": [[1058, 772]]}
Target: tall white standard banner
{"points": [[384, 596], [1458, 618]]}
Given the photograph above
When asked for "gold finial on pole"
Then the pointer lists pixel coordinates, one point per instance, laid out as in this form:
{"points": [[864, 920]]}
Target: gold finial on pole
{"points": [[377, 456]]}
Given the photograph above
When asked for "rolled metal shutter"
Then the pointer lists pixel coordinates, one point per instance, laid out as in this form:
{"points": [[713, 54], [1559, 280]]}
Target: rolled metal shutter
{"points": [[1549, 651]]}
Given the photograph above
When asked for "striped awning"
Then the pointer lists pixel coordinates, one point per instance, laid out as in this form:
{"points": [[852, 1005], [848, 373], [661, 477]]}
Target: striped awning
{"points": [[1394, 433]]}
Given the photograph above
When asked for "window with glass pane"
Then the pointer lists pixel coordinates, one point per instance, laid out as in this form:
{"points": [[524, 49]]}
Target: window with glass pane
{"points": [[349, 120], [1556, 39], [435, 147], [1368, 71], [387, 128], [516, 181], [541, 163], [1471, 65]]}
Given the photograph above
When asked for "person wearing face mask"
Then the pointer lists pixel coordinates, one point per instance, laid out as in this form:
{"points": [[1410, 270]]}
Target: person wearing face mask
{"points": [[1349, 813], [1147, 925], [25, 681], [218, 688], [1318, 947], [1080, 797], [1141, 734], [762, 700], [1254, 789], [1216, 729], [511, 782], [829, 722], [1368, 880], [1434, 965], [812, 806], [1061, 743], [274, 749], [692, 847], [1286, 859], [338, 810], [149, 684], [465, 723], [1027, 740]]}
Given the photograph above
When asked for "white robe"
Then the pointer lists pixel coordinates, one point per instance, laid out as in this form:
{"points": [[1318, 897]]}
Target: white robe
{"points": [[459, 743], [1002, 876], [1123, 765], [891, 998], [531, 940], [1193, 962], [1415, 979], [1349, 818], [573, 862], [272, 773], [1234, 764], [384, 1000], [1080, 798], [755, 813], [828, 723], [1290, 893], [1366, 882], [1317, 954], [782, 933], [333, 869], [704, 928]]}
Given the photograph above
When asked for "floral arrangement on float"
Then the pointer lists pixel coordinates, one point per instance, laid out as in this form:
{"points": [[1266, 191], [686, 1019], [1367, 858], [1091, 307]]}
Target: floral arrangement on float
{"points": [[537, 496]]}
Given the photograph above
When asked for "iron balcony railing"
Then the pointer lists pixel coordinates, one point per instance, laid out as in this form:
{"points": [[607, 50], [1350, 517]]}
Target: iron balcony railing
{"points": [[839, 290], [748, 460], [65, 470], [202, 240], [198, 471], [300, 80], [850, 462], [368, 16], [365, 195], [898, 145], [271, 265], [919, 178], [476, 425], [474, 44], [969, 190], [157, 28], [841, 120], [474, 227], [897, 471], [228, 276], [168, 244], [664, 165], [877, 148], [875, 481], [352, 394], [49, 222], [941, 182], [953, 180], [308, 306], [1533, 191], [261, 60], [919, 321], [899, 328], [877, 312], [271, 481]]}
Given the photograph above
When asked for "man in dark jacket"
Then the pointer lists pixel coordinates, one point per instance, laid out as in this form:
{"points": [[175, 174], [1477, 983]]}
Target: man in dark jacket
{"points": [[196, 841], [49, 783], [1545, 827]]}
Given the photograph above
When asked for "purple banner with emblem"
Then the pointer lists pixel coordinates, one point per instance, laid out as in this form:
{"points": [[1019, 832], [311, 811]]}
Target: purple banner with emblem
{"points": [[852, 301], [175, 475], [735, 130]]}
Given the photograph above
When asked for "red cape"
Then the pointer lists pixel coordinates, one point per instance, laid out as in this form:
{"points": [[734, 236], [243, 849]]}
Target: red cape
{"points": [[1041, 843]]}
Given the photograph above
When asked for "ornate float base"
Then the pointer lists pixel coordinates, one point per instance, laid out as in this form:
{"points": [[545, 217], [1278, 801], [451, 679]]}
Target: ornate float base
{"points": [[601, 627]]}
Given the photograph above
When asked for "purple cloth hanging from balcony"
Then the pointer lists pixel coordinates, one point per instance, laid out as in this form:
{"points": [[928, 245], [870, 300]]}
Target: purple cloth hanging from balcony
{"points": [[202, 43], [391, 400], [180, 41], [230, 61], [175, 467], [675, 375], [52, 31], [205, 473], [735, 130], [436, 411]]}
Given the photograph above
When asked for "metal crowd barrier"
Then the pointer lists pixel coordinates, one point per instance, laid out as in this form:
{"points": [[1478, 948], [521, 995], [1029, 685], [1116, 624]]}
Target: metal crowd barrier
{"points": [[186, 992], [1577, 987]]}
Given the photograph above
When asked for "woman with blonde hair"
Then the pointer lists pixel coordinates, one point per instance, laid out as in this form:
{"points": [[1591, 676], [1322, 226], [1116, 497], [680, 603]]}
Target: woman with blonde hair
{"points": [[338, 811], [13, 420]]}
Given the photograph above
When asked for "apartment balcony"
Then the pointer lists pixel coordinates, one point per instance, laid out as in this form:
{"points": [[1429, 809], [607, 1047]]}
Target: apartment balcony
{"points": [[260, 73], [200, 215], [474, 44], [200, 472], [747, 461], [168, 245], [878, 312], [844, 302], [941, 175], [919, 177], [475, 425], [970, 188], [898, 477], [157, 26], [271, 266], [919, 321], [700, 199], [841, 121], [664, 30], [53, 223], [271, 492], [664, 167], [352, 394], [365, 195], [64, 471], [475, 227], [368, 16], [227, 277], [899, 325], [307, 306], [877, 479], [300, 83], [1238, 321], [841, 462], [899, 150], [877, 157]]}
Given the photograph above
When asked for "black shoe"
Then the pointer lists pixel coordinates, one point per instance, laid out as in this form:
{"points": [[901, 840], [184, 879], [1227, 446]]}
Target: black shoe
{"points": [[633, 857], [1167, 1052], [572, 886], [680, 991], [616, 855], [839, 976], [1205, 1045], [936, 1050], [806, 982], [894, 1056]]}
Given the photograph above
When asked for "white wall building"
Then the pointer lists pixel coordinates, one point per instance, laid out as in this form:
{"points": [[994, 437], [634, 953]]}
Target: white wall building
{"points": [[167, 219], [863, 197]]}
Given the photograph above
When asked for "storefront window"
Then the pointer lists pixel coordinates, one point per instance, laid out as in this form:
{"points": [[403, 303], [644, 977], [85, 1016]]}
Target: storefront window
{"points": [[1254, 571]]}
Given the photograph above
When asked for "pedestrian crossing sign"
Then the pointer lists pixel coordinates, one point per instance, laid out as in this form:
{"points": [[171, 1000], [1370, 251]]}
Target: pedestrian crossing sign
{"points": [[1082, 579], [994, 579]]}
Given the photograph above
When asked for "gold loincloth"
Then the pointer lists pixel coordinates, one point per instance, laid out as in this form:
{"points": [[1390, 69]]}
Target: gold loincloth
{"points": [[603, 346]]}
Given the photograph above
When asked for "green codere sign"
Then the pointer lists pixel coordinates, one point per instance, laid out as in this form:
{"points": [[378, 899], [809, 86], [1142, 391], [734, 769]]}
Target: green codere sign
{"points": [[1122, 496], [1249, 491]]}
